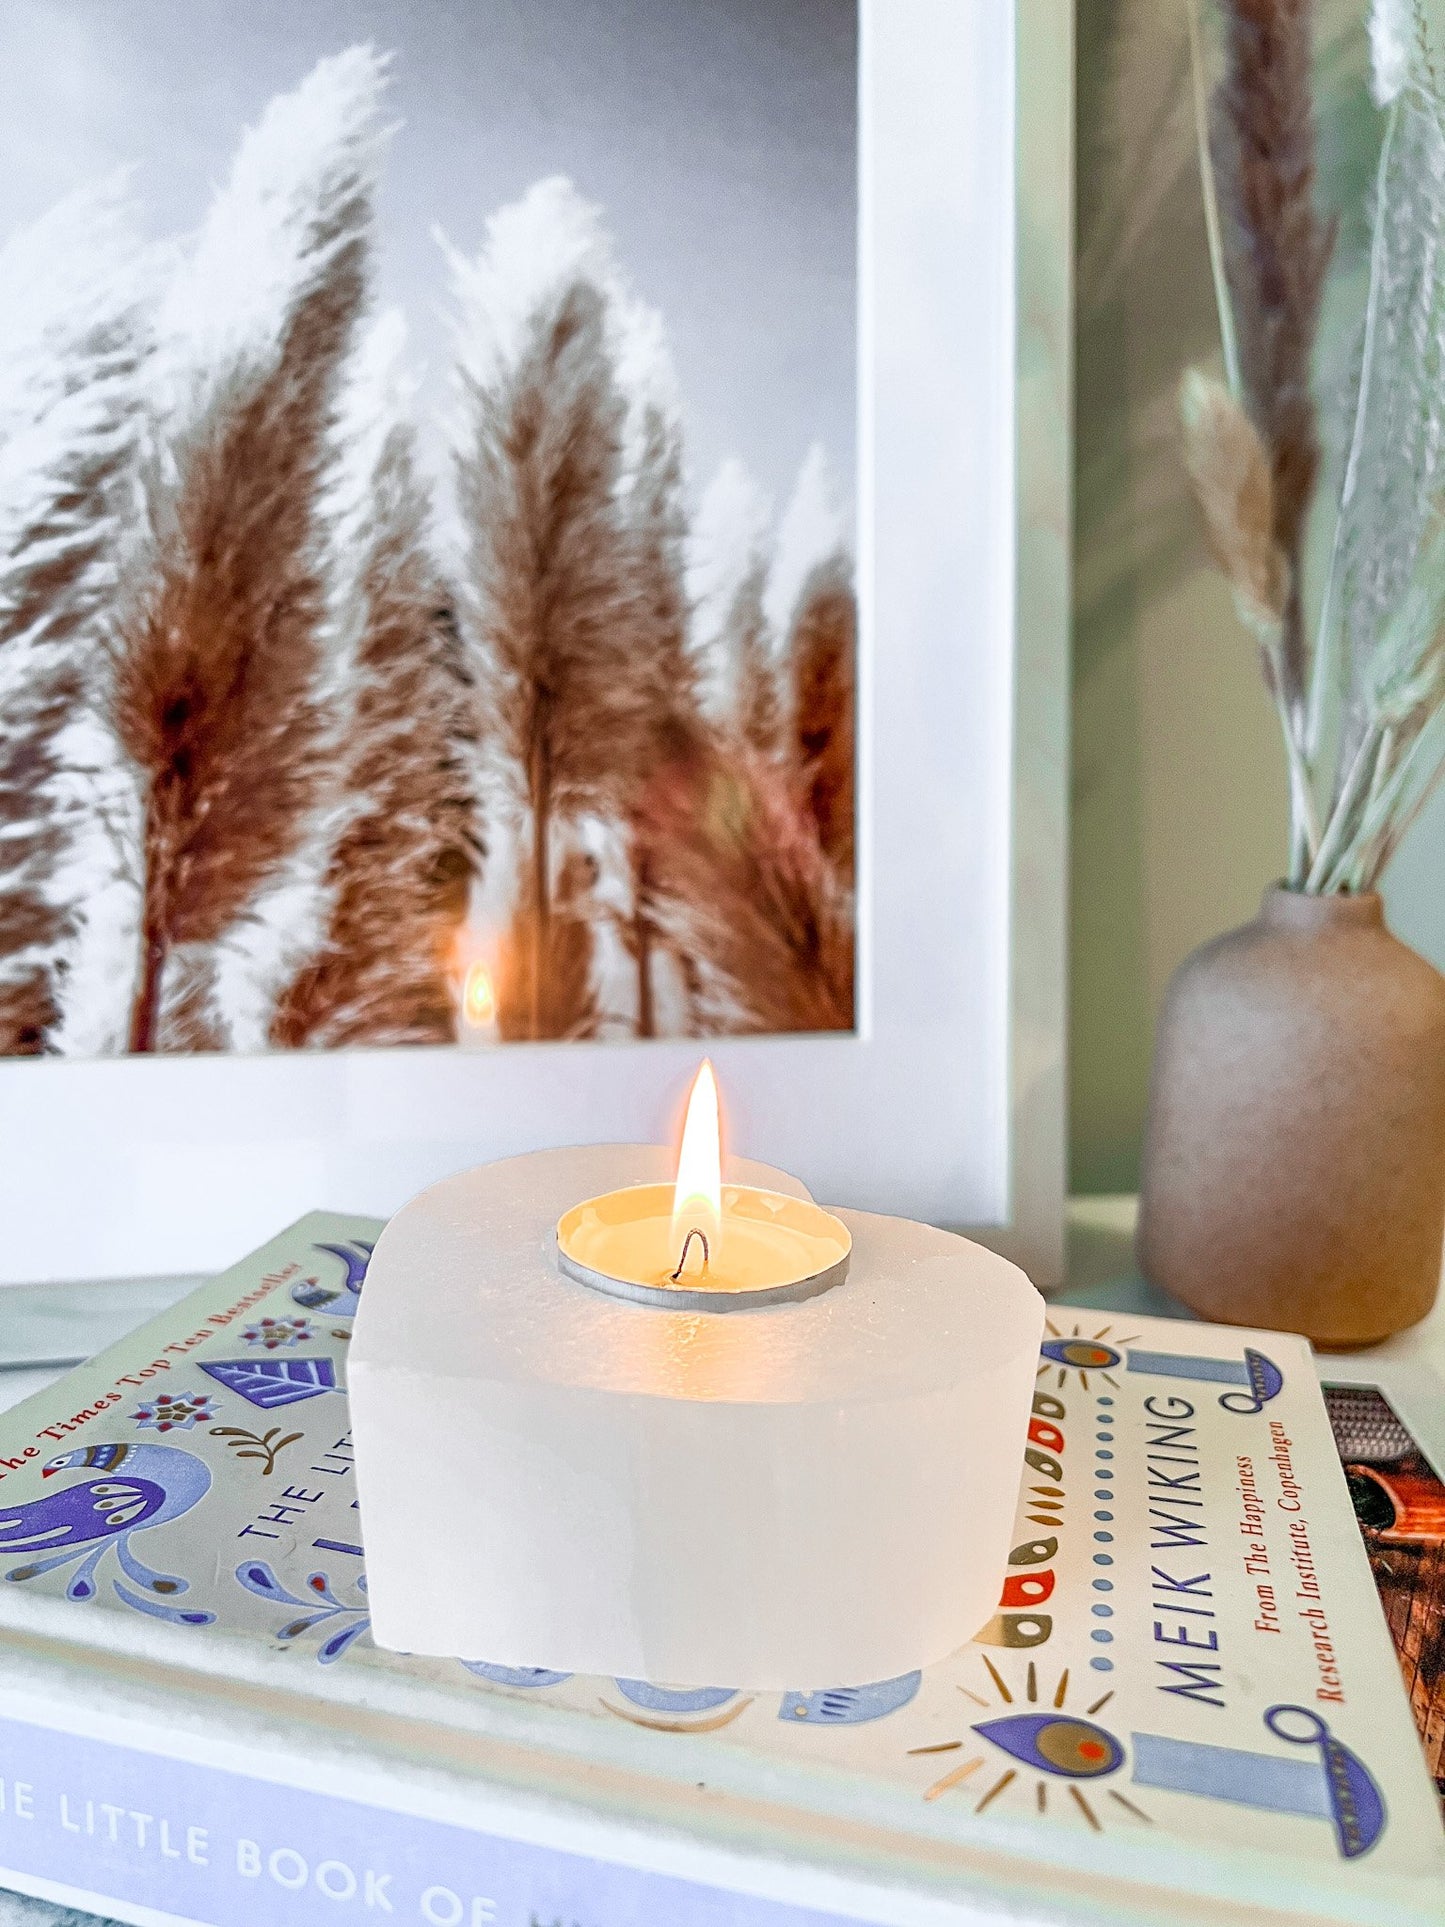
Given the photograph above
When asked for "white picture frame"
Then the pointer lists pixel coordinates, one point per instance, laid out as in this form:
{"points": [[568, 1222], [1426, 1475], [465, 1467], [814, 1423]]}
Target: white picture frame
{"points": [[947, 1103]]}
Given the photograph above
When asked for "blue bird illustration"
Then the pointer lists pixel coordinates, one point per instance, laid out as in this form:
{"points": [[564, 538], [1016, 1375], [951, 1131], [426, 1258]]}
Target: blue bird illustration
{"points": [[140, 1486], [337, 1301]]}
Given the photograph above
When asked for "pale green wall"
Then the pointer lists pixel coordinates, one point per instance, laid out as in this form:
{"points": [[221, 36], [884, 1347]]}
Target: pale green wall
{"points": [[1178, 784]]}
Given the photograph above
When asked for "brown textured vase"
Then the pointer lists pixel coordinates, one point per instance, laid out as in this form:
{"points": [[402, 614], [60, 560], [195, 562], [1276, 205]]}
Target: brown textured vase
{"points": [[1294, 1160]]}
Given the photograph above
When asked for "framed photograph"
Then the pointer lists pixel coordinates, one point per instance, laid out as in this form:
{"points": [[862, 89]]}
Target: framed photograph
{"points": [[533, 549]]}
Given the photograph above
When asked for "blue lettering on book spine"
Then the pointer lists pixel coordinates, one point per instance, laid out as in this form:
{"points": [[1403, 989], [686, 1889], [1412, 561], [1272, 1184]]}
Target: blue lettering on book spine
{"points": [[108, 1825]]}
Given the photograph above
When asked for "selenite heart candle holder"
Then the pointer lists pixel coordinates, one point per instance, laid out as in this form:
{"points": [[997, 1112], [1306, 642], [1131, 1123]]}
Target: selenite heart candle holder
{"points": [[803, 1487]]}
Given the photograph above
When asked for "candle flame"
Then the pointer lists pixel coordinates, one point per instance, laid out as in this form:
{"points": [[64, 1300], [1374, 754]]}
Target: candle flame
{"points": [[479, 998], [697, 1195]]}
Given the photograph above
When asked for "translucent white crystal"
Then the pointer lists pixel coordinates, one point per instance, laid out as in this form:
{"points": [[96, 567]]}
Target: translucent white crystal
{"points": [[809, 1495]]}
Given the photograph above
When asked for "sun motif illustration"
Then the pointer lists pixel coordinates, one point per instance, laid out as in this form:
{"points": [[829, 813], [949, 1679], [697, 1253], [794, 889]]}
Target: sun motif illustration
{"points": [[273, 1333], [1083, 1353], [173, 1412], [1052, 1741]]}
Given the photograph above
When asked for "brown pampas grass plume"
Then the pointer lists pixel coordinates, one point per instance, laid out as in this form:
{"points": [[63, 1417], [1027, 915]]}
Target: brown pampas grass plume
{"points": [[538, 491], [821, 654], [218, 648], [1233, 483], [218, 656], [759, 700], [749, 895], [1230, 470], [664, 674], [559, 1001], [568, 596], [1277, 251], [658, 660], [401, 869]]}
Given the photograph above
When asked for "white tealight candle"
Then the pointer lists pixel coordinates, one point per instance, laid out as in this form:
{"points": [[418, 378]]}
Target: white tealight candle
{"points": [[698, 1245], [793, 1463], [767, 1249]]}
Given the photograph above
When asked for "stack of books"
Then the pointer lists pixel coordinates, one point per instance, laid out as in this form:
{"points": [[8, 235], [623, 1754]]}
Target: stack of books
{"points": [[1187, 1707]]}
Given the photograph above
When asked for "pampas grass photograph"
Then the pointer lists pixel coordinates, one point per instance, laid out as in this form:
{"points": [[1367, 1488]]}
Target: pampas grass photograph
{"points": [[426, 534]]}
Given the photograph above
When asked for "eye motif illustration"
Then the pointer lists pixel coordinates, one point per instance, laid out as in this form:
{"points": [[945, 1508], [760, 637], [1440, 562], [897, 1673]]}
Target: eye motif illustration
{"points": [[1056, 1743], [1048, 1743], [1083, 1354], [1077, 1353]]}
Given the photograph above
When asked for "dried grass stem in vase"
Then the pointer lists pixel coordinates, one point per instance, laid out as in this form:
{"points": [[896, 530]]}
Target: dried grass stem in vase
{"points": [[1359, 688], [1294, 1167]]}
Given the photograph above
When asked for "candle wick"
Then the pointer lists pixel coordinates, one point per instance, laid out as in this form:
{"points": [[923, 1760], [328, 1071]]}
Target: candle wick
{"points": [[701, 1236]]}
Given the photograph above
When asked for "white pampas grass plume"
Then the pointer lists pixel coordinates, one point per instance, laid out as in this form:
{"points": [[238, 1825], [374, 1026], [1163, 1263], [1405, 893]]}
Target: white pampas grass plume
{"points": [[536, 248], [397, 872], [814, 528], [1392, 36], [1396, 465], [73, 341], [374, 403], [1405, 678], [729, 533], [643, 368], [728, 554], [276, 225]]}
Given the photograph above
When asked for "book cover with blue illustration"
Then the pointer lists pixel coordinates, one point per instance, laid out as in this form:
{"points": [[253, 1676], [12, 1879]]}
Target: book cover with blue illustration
{"points": [[1186, 1703]]}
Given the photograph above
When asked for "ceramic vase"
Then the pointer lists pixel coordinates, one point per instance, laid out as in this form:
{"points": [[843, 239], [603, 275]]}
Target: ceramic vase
{"points": [[1294, 1158]]}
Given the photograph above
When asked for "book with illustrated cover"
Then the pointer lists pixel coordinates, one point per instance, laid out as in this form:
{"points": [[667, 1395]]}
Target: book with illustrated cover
{"points": [[1187, 1706], [1399, 1501]]}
